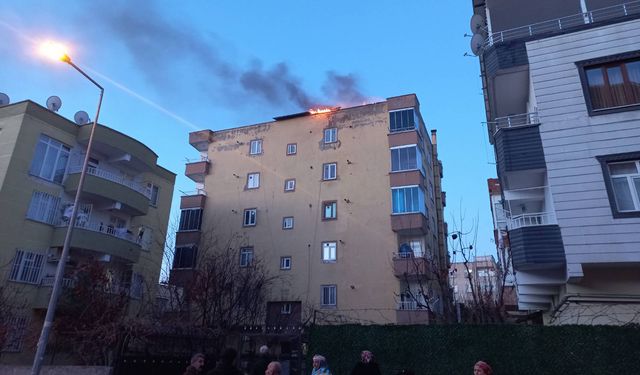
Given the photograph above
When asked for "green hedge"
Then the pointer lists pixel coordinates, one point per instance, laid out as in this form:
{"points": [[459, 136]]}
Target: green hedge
{"points": [[510, 349]]}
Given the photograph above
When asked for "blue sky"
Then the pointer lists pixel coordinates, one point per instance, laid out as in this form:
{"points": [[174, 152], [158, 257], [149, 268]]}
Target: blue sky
{"points": [[172, 67]]}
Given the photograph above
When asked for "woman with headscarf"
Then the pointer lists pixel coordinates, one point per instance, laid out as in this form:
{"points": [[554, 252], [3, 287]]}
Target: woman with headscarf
{"points": [[320, 366], [366, 365], [482, 368]]}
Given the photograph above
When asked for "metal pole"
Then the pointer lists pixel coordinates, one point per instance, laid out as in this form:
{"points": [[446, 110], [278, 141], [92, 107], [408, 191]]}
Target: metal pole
{"points": [[57, 283]]}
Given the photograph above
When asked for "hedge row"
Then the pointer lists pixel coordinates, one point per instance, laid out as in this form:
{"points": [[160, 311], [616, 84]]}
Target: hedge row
{"points": [[510, 349]]}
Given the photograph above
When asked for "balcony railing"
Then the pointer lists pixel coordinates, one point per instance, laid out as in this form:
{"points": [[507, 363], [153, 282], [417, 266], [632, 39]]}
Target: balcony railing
{"points": [[194, 192], [534, 219], [47, 281], [514, 121], [409, 305], [101, 227], [559, 25], [113, 177]]}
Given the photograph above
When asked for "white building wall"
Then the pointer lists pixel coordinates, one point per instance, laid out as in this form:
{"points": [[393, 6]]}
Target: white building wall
{"points": [[572, 140]]}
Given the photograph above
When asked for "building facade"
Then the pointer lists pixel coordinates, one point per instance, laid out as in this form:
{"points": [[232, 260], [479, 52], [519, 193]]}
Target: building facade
{"points": [[479, 276], [344, 206], [121, 223], [560, 80]]}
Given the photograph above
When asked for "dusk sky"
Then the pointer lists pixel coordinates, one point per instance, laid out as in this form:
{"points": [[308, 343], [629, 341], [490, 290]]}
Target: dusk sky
{"points": [[172, 67]]}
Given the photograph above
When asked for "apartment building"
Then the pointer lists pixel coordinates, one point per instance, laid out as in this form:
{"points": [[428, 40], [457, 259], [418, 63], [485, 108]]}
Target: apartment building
{"points": [[122, 218], [344, 206], [560, 82], [484, 274]]}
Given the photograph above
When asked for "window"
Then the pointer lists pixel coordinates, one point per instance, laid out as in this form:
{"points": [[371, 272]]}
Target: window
{"points": [[50, 159], [190, 219], [292, 148], [249, 219], [331, 135], [285, 309], [408, 199], [329, 171], [27, 267], [329, 252], [290, 185], [246, 256], [44, 207], [153, 194], [253, 180], [612, 84], [285, 263], [329, 210], [622, 180], [255, 147], [185, 257], [406, 158], [328, 296], [403, 119], [287, 222], [16, 329], [137, 286]]}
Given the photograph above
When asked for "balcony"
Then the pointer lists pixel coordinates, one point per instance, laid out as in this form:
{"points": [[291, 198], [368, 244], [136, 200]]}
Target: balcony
{"points": [[410, 266], [407, 312], [410, 224], [513, 121], [536, 244], [115, 187], [197, 170], [200, 139], [518, 148], [530, 220], [101, 238]]}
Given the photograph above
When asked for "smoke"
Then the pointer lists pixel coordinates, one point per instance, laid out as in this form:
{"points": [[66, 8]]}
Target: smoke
{"points": [[164, 50]]}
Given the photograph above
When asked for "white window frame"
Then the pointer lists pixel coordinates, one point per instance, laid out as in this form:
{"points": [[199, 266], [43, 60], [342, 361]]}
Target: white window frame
{"points": [[250, 217], [15, 335], [253, 180], [27, 267], [60, 153], [332, 294], [44, 207], [246, 257], [630, 178], [334, 210], [255, 147], [329, 252], [421, 200], [290, 184], [418, 161], [285, 308], [287, 222], [329, 171], [154, 190], [415, 120], [330, 135], [292, 148], [285, 263]]}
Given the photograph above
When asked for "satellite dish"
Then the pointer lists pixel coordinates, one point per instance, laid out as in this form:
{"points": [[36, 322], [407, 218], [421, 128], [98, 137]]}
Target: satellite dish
{"points": [[81, 117], [477, 23], [54, 103], [477, 43], [4, 99]]}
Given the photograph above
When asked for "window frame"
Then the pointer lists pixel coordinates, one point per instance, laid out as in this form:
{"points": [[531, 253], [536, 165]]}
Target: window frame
{"points": [[286, 308], [605, 160], [420, 165], [285, 263], [284, 221], [188, 220], [44, 207], [27, 267], [404, 129], [246, 256], [249, 223], [292, 149], [332, 134], [329, 288], [257, 184], [329, 259], [334, 209], [421, 200], [324, 169], [50, 145], [258, 147], [194, 255], [153, 199], [286, 185], [604, 62]]}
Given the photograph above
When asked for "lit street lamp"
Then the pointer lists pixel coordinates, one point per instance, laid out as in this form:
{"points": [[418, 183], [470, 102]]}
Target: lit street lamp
{"points": [[57, 52]]}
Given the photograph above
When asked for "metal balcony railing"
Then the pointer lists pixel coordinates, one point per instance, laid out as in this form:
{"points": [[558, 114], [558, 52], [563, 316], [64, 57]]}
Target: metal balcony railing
{"points": [[101, 227], [113, 177], [533, 219], [409, 305], [47, 281], [559, 25], [194, 192], [514, 121]]}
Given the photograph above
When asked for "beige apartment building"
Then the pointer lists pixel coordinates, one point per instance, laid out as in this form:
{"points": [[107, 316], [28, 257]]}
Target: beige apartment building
{"points": [[344, 206], [122, 219]]}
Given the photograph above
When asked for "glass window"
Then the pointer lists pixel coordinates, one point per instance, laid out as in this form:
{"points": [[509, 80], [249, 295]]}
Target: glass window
{"points": [[246, 256], [253, 180], [44, 207], [329, 210], [290, 185], [292, 148], [405, 158], [329, 251], [285, 308], [328, 297], [408, 199], [27, 267], [185, 257], [249, 217], [255, 147], [285, 263], [287, 222], [625, 180], [614, 84], [16, 328], [50, 159], [153, 197], [331, 135], [329, 171], [190, 219], [403, 119]]}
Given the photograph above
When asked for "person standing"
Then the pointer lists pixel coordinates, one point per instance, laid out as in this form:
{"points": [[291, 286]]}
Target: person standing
{"points": [[263, 361], [197, 363], [482, 368], [226, 364], [366, 365], [320, 366]]}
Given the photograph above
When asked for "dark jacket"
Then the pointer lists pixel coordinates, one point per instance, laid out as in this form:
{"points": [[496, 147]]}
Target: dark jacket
{"points": [[362, 368], [260, 366], [192, 371], [225, 369]]}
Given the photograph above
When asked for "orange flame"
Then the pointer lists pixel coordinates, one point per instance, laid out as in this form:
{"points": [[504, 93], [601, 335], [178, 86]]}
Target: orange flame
{"points": [[315, 111]]}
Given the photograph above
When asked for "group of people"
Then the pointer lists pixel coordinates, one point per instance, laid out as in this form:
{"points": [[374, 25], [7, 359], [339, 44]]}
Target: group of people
{"points": [[365, 366]]}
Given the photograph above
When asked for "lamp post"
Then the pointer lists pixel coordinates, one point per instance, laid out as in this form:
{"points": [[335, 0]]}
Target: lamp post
{"points": [[57, 52]]}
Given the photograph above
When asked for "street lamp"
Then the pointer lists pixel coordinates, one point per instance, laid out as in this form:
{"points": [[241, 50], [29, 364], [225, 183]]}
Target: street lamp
{"points": [[58, 52]]}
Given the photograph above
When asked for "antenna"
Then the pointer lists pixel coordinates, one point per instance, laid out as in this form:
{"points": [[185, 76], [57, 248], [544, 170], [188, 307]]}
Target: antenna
{"points": [[477, 43], [4, 99], [54, 103], [81, 117], [477, 23]]}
